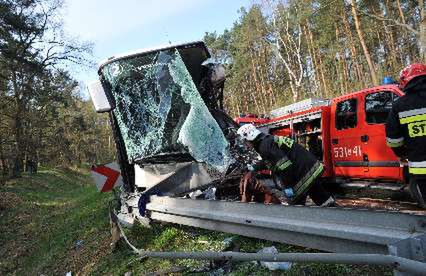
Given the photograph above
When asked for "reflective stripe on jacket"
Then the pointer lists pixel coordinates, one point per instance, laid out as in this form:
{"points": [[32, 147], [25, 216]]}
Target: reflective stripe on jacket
{"points": [[406, 127], [289, 160]]}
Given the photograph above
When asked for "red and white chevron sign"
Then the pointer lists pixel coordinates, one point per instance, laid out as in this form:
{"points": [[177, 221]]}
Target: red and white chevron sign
{"points": [[107, 176]]}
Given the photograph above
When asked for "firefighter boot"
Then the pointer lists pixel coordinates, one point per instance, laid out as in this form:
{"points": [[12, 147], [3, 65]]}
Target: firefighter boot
{"points": [[417, 189], [330, 202]]}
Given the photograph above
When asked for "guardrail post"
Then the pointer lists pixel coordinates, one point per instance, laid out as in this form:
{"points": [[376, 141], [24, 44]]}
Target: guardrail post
{"points": [[413, 248]]}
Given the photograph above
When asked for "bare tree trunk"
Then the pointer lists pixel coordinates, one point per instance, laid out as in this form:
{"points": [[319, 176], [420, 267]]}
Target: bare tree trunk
{"points": [[402, 34], [17, 166], [269, 97], [422, 35], [287, 48], [401, 13], [393, 62], [294, 91], [340, 63], [394, 51], [345, 73], [364, 46], [354, 54], [272, 97], [246, 101], [311, 50], [233, 101], [256, 103], [237, 104], [261, 63], [326, 91], [17, 162], [380, 40], [4, 165], [318, 60], [258, 91], [264, 91]]}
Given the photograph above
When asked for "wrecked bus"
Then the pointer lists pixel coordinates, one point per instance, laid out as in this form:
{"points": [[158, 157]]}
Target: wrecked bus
{"points": [[166, 111], [172, 137]]}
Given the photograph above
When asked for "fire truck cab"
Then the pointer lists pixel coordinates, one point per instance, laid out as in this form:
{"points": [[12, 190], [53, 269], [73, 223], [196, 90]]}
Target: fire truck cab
{"points": [[347, 133]]}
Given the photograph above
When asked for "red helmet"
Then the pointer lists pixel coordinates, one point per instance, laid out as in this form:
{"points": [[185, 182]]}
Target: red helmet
{"points": [[410, 72]]}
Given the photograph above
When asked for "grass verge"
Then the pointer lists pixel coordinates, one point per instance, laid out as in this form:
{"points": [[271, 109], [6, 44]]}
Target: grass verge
{"points": [[56, 221]]}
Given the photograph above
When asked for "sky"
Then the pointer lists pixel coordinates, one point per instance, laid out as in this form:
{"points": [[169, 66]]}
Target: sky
{"points": [[121, 26]]}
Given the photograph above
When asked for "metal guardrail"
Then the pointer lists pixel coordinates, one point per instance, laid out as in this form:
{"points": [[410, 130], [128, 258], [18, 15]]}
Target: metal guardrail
{"points": [[403, 266], [329, 229]]}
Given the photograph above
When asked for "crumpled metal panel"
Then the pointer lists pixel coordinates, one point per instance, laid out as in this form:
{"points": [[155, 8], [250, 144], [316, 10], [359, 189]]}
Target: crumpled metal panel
{"points": [[174, 178]]}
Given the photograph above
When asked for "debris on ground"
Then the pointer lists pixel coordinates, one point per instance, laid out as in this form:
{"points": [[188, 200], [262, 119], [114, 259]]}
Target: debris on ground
{"points": [[228, 242], [221, 267], [381, 204], [78, 244], [173, 270], [208, 194], [195, 194], [274, 265]]}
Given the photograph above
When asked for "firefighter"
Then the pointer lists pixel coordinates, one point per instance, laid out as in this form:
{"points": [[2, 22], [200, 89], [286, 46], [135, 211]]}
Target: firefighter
{"points": [[296, 171], [406, 128]]}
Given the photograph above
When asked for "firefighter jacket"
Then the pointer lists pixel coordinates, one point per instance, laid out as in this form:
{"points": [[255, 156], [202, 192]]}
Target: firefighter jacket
{"points": [[291, 162], [406, 127]]}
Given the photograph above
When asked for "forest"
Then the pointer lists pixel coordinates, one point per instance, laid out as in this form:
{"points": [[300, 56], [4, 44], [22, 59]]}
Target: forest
{"points": [[280, 52], [43, 118], [276, 52]]}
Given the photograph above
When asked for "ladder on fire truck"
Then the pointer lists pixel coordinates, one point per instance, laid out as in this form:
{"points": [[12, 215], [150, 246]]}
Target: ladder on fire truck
{"points": [[299, 106]]}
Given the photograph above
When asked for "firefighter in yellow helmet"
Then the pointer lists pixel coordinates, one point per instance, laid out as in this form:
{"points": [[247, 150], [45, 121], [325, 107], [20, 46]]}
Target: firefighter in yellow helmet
{"points": [[406, 128]]}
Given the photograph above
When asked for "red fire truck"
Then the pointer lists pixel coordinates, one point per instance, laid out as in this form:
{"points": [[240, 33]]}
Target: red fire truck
{"points": [[347, 133]]}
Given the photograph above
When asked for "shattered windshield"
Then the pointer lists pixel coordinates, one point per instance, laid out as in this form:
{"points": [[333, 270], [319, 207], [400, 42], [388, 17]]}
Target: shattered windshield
{"points": [[159, 110]]}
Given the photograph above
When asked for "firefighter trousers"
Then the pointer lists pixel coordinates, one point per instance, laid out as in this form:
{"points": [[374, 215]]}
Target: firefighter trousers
{"points": [[418, 189], [316, 192]]}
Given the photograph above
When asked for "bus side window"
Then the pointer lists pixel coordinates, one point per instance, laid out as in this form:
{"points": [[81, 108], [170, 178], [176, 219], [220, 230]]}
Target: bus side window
{"points": [[378, 105], [346, 115]]}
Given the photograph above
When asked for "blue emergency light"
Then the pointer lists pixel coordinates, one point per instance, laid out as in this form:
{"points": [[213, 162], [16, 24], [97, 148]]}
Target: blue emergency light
{"points": [[388, 80]]}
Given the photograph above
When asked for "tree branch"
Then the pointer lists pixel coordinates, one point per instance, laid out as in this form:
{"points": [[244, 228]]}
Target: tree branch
{"points": [[396, 22]]}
